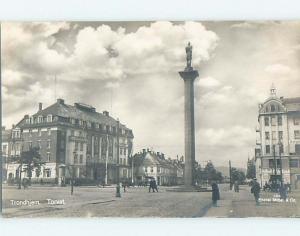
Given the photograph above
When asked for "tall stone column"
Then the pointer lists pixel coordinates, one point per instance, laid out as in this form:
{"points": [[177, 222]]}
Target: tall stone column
{"points": [[189, 75]]}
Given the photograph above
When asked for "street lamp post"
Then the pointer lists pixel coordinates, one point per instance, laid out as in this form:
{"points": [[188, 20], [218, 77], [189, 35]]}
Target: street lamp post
{"points": [[280, 149], [72, 175], [118, 192]]}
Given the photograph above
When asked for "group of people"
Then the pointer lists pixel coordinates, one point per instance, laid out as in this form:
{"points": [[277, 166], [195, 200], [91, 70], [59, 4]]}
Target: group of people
{"points": [[153, 185]]}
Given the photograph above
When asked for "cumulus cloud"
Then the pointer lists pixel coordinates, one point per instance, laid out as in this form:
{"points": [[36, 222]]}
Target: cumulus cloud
{"points": [[278, 69], [208, 82]]}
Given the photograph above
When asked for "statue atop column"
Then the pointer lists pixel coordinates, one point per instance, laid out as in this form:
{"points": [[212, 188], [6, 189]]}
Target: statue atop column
{"points": [[188, 50]]}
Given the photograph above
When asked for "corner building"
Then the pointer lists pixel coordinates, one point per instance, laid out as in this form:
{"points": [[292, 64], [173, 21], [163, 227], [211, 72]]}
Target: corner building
{"points": [[278, 139], [77, 139]]}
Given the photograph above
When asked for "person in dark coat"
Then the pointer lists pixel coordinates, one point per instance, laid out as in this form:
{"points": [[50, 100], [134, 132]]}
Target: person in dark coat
{"points": [[155, 186], [215, 193], [283, 192], [255, 190], [151, 185]]}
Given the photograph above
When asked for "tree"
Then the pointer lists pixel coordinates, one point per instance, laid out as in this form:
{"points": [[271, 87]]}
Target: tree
{"points": [[237, 175], [208, 173], [251, 170], [31, 160]]}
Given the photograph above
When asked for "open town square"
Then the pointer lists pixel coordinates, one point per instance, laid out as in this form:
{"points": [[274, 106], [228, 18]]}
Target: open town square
{"points": [[150, 119], [138, 202]]}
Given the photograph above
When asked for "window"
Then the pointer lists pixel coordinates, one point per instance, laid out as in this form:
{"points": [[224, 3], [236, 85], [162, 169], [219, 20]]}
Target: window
{"points": [[296, 121], [267, 134], [81, 159], [48, 144], [125, 151], [271, 163], [279, 120], [47, 173], [81, 146], [297, 148], [274, 135], [39, 144], [121, 151], [272, 108], [40, 132], [297, 134], [75, 159], [294, 163], [267, 149], [30, 144], [158, 169], [49, 118], [80, 122], [280, 135], [73, 121], [76, 145], [40, 119], [267, 121], [273, 121], [146, 169], [72, 132], [4, 148], [48, 156], [151, 169], [49, 131]]}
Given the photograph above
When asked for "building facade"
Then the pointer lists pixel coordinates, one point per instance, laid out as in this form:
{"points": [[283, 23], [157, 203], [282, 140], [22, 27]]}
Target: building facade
{"points": [[278, 139], [149, 164], [74, 141]]}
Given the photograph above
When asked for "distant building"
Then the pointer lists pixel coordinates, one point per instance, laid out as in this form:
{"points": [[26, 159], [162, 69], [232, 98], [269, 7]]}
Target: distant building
{"points": [[149, 164], [6, 134], [74, 137], [278, 136]]}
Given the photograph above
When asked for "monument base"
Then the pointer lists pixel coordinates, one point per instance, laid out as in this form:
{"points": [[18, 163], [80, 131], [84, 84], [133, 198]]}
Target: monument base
{"points": [[185, 188]]}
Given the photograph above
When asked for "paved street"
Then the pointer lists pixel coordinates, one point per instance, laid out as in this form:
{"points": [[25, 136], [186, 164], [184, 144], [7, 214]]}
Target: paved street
{"points": [[137, 202]]}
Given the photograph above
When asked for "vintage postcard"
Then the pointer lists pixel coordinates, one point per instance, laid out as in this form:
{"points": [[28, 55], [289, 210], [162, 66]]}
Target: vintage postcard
{"points": [[150, 119]]}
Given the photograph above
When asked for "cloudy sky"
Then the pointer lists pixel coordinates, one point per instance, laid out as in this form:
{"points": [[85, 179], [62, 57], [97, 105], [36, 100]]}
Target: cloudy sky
{"points": [[131, 69]]}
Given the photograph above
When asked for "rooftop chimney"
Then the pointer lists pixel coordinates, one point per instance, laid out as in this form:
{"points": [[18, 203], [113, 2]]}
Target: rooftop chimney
{"points": [[40, 106], [106, 113], [60, 101]]}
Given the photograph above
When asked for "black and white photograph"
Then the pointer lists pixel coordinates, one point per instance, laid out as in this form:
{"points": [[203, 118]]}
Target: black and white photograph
{"points": [[159, 119]]}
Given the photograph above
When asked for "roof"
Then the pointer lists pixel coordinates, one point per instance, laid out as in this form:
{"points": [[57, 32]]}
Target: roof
{"points": [[78, 111], [6, 135], [292, 104]]}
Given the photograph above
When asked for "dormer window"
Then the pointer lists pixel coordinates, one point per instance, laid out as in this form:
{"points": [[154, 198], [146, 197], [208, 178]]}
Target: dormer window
{"points": [[49, 118]]}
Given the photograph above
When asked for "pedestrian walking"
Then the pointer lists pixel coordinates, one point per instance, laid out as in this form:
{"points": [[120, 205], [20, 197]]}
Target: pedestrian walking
{"points": [[283, 192], [215, 193], [155, 186], [236, 186], [151, 186], [255, 189]]}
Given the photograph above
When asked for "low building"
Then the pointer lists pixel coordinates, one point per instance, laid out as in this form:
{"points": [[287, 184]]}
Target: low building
{"points": [[148, 164], [74, 140], [278, 139]]}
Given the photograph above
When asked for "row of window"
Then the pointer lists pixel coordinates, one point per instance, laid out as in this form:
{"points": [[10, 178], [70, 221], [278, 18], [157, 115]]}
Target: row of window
{"points": [[39, 143], [39, 119], [273, 120], [40, 132], [280, 135], [159, 170], [293, 163], [77, 145], [268, 149], [274, 136]]}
